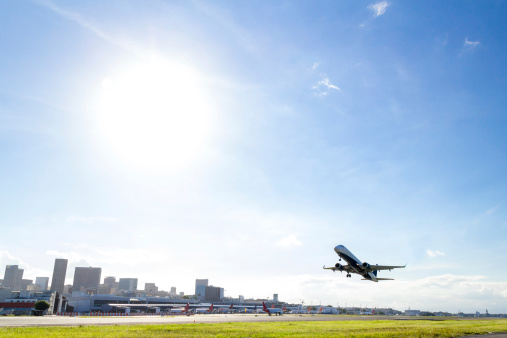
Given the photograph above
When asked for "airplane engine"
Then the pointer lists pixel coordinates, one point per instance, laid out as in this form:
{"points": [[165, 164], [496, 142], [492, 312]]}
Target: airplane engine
{"points": [[338, 266], [366, 266]]}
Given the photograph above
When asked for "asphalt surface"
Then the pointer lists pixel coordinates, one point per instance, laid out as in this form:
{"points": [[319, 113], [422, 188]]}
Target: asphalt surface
{"points": [[209, 319]]}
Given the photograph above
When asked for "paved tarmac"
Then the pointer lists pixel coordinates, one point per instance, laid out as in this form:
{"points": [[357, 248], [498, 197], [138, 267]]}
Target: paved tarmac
{"points": [[210, 318]]}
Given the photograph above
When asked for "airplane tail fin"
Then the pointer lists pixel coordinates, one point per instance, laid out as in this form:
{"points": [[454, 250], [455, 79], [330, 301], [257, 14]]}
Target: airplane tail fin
{"points": [[264, 308], [210, 308], [231, 307], [375, 272], [186, 307]]}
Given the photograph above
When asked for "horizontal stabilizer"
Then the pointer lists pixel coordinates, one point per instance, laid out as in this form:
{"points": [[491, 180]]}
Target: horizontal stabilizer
{"points": [[380, 279]]}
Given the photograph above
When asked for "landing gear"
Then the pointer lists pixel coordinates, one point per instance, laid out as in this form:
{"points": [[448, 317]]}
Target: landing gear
{"points": [[349, 275]]}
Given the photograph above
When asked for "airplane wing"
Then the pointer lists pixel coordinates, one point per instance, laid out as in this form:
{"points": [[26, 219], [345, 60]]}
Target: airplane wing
{"points": [[345, 268], [385, 267]]}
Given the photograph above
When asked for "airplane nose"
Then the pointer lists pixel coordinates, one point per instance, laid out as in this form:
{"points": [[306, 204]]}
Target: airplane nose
{"points": [[338, 248]]}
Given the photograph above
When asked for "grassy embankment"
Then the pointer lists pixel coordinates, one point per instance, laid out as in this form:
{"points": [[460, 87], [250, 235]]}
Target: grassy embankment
{"points": [[381, 328]]}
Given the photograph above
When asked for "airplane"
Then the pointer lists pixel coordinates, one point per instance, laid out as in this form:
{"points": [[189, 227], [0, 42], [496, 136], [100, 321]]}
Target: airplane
{"points": [[369, 272], [204, 309], [226, 309], [270, 311], [181, 309]]}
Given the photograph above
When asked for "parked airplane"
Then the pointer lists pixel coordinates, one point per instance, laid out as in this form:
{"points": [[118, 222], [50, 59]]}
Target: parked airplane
{"points": [[369, 272], [226, 309], [270, 311], [181, 309], [204, 309]]}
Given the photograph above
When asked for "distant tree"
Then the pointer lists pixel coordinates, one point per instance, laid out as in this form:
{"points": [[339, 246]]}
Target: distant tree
{"points": [[41, 305]]}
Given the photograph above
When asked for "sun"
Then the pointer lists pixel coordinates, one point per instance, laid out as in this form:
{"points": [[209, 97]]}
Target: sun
{"points": [[154, 114]]}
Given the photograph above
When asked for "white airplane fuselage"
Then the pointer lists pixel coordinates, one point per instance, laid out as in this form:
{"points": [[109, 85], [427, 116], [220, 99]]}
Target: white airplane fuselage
{"points": [[355, 264]]}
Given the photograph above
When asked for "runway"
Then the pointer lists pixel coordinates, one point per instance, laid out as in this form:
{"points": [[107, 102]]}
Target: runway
{"points": [[198, 319]]}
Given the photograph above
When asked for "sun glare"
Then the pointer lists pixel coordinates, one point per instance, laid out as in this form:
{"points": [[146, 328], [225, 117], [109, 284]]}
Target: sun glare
{"points": [[154, 114]]}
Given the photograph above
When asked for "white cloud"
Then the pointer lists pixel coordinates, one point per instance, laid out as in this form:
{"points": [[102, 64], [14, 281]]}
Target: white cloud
{"points": [[379, 8], [29, 271], [470, 44], [7, 259], [88, 220], [324, 86], [315, 65], [289, 241], [433, 293], [325, 82], [434, 253]]}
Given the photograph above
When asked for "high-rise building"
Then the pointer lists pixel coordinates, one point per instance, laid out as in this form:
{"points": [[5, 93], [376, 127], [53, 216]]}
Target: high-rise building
{"points": [[43, 282], [59, 273], [25, 283], [86, 279], [110, 281], [213, 294], [200, 287], [201, 282], [127, 284], [150, 288], [12, 277]]}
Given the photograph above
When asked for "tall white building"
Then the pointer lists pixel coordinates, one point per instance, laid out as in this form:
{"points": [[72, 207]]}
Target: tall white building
{"points": [[43, 282], [12, 277], [200, 287], [127, 284], [59, 273]]}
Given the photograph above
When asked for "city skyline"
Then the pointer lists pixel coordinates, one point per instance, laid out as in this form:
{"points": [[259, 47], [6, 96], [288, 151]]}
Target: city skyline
{"points": [[242, 141]]}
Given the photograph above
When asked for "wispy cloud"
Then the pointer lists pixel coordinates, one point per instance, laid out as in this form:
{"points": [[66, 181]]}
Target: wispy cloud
{"points": [[434, 253], [29, 271], [88, 220], [379, 8], [75, 17], [315, 65], [470, 44], [289, 242], [490, 211], [323, 87]]}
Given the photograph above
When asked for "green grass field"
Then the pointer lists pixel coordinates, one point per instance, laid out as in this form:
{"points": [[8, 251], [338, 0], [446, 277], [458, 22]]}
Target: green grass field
{"points": [[374, 328]]}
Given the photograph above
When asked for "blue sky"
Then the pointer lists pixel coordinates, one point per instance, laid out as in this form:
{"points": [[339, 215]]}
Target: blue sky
{"points": [[241, 141]]}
